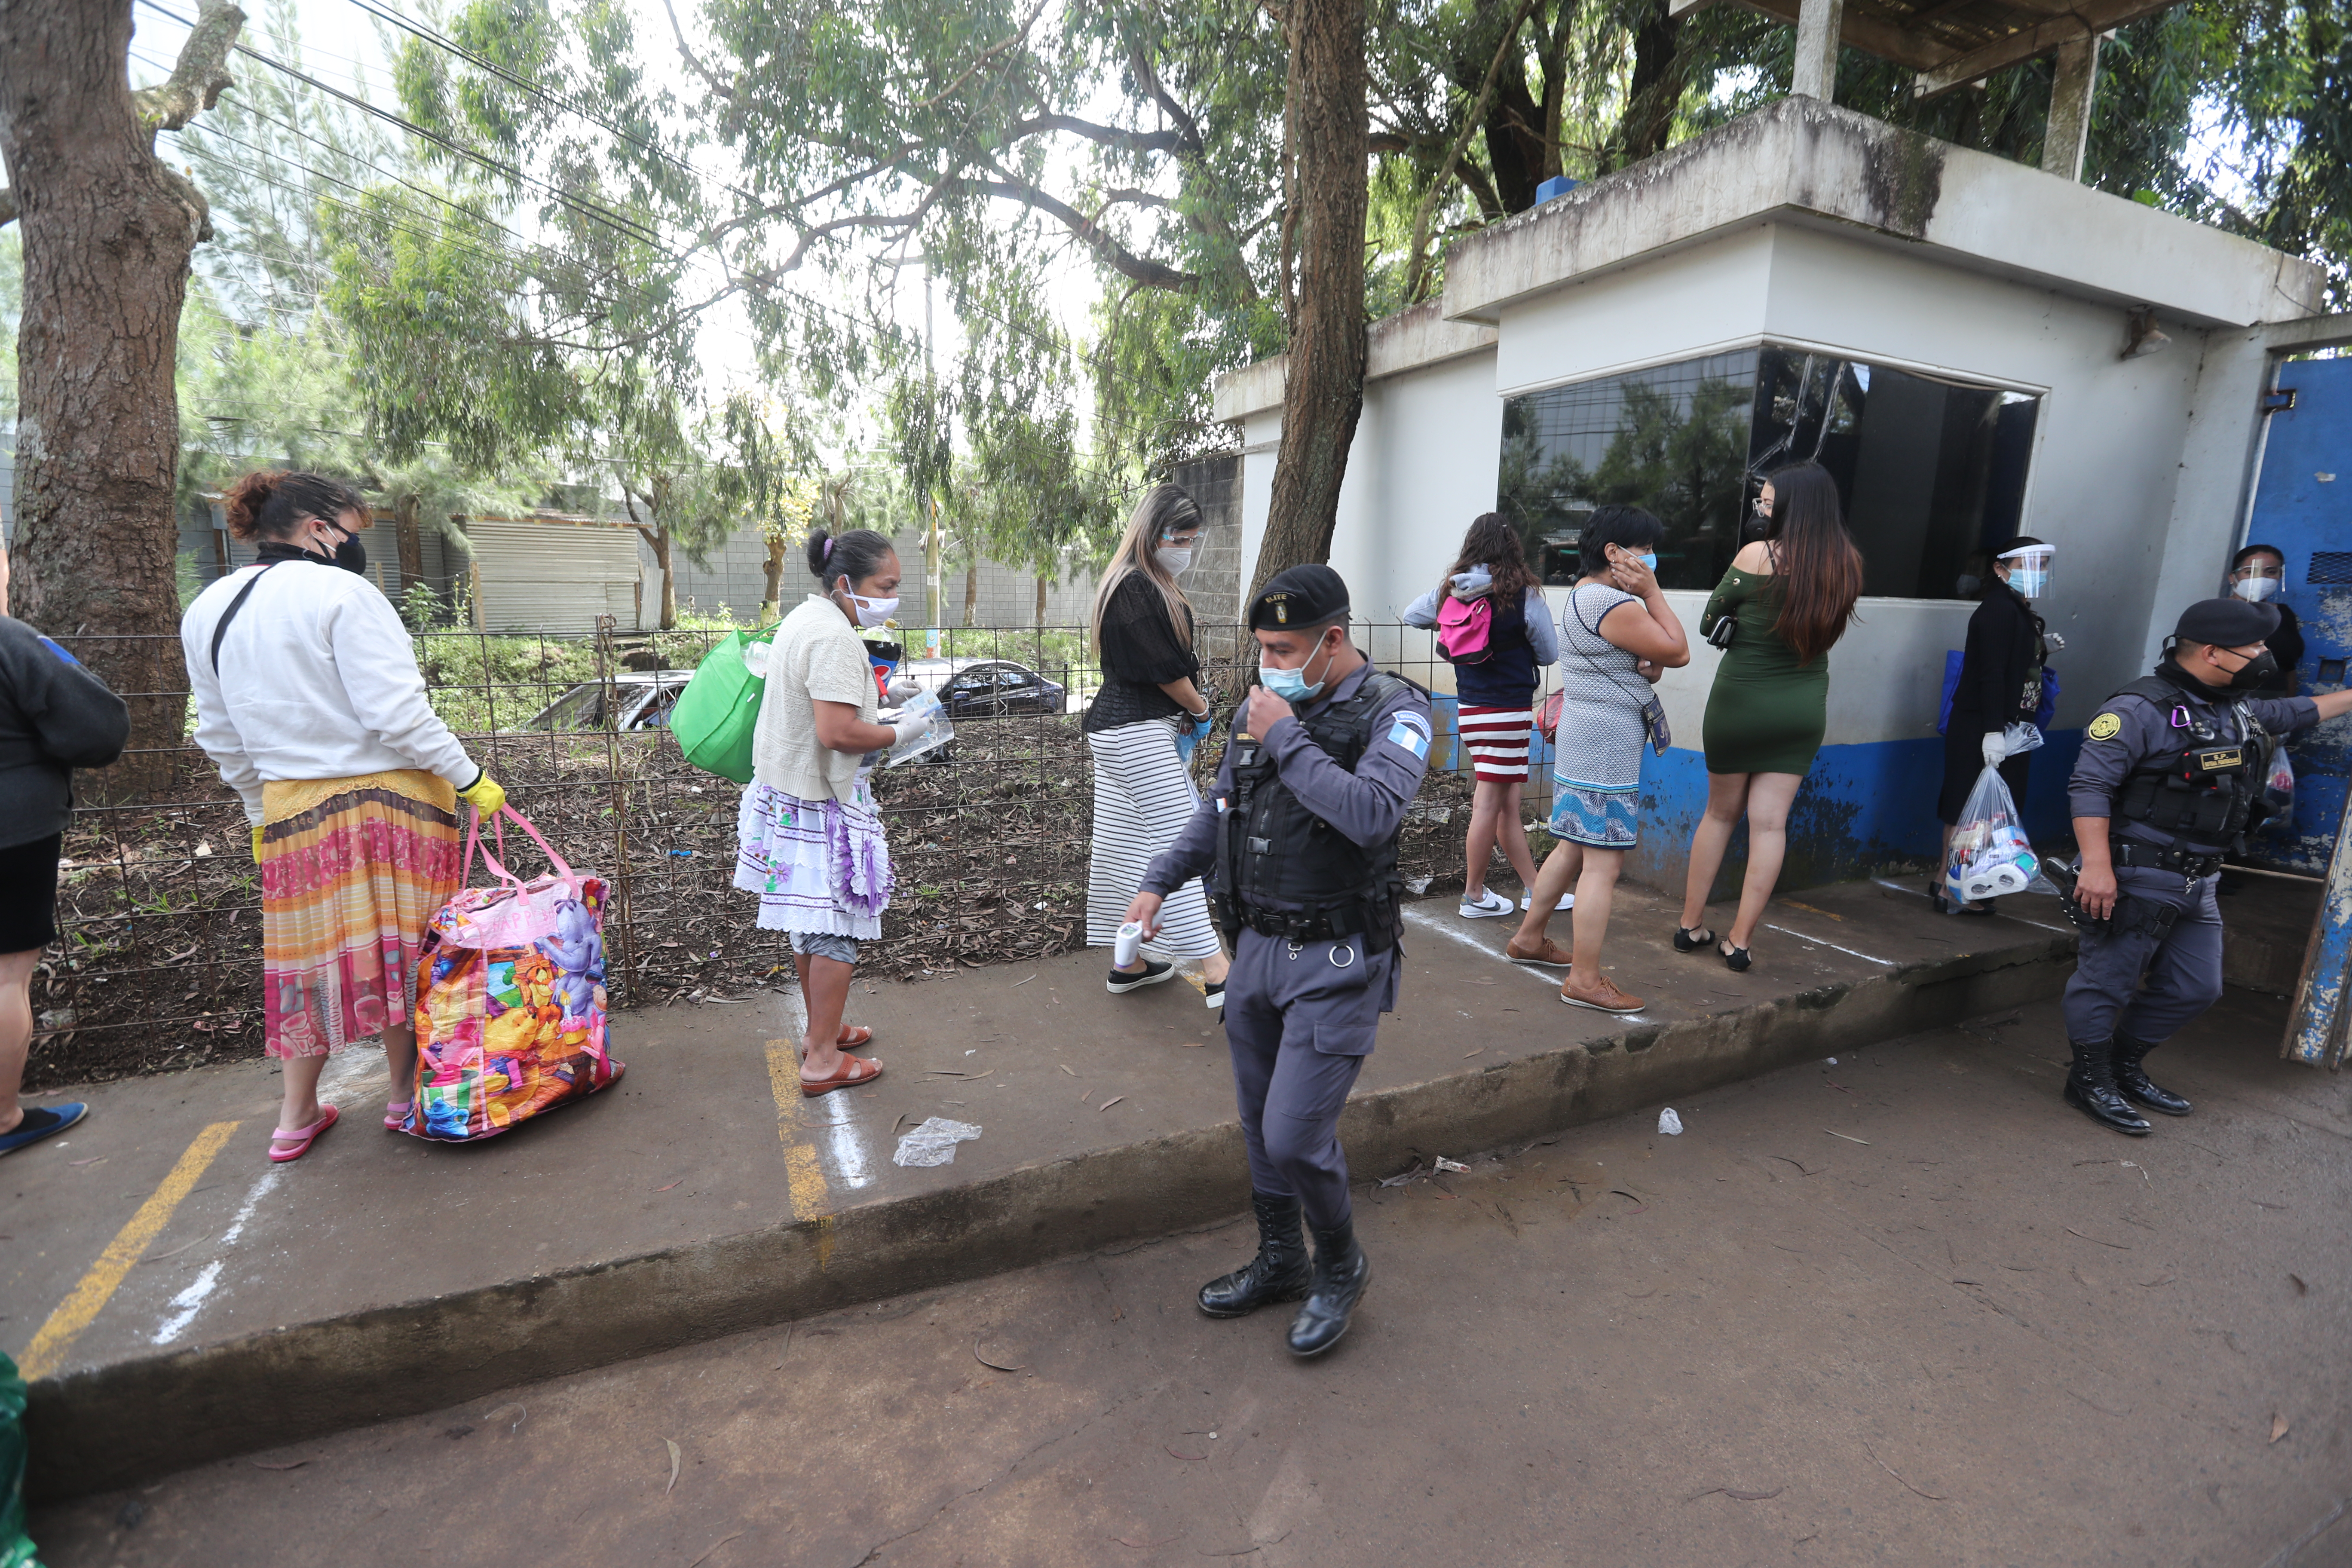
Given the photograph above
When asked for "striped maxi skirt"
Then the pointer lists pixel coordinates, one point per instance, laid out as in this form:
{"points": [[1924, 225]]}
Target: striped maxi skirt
{"points": [[1497, 740], [351, 871], [1143, 797]]}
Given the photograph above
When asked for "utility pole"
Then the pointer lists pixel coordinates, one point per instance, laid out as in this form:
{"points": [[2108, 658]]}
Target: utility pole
{"points": [[933, 574]]}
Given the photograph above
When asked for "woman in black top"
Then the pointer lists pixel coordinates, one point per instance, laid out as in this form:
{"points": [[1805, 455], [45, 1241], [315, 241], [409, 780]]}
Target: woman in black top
{"points": [[1143, 793], [2000, 685], [2258, 573]]}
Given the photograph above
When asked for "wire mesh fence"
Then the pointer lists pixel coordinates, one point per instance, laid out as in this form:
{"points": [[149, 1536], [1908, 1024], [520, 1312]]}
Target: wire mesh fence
{"points": [[159, 960]]}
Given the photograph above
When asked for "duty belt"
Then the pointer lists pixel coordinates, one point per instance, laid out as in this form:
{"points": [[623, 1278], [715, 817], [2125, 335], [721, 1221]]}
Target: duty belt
{"points": [[1318, 925], [2128, 853]]}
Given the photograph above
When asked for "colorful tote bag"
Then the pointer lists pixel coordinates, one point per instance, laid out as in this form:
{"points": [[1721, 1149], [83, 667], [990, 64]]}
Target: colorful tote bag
{"points": [[511, 1007]]}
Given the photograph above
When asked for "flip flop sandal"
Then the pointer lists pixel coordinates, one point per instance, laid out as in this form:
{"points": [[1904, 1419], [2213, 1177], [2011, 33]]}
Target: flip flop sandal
{"points": [[396, 1113], [1551, 953], [1690, 938], [301, 1138], [855, 1071]]}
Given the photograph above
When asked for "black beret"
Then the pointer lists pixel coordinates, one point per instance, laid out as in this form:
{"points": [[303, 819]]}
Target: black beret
{"points": [[1307, 596], [2227, 623]]}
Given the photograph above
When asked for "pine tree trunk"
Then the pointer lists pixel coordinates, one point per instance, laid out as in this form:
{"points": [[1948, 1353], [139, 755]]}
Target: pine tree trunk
{"points": [[107, 235], [1040, 600], [1324, 392], [970, 590], [411, 541]]}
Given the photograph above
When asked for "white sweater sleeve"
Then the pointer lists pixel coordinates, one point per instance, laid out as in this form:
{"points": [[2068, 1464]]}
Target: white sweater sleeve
{"points": [[216, 733], [386, 690]]}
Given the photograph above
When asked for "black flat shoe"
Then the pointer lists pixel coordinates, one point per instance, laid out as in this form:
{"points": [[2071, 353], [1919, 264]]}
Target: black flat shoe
{"points": [[1735, 959], [1690, 938], [1152, 973], [1944, 906]]}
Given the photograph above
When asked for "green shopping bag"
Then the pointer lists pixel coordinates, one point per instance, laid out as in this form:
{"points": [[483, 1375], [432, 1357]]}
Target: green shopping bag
{"points": [[719, 708], [15, 1546]]}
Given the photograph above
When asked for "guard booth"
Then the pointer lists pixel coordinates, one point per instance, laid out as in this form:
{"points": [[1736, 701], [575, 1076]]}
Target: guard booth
{"points": [[2302, 507]]}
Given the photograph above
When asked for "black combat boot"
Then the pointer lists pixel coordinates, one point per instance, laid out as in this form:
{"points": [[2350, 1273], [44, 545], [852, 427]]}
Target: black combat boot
{"points": [[2090, 1088], [2128, 1055], [1278, 1272], [1341, 1272]]}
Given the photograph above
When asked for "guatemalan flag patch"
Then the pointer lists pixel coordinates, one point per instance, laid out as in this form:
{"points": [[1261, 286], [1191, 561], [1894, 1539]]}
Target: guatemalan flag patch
{"points": [[1411, 731]]}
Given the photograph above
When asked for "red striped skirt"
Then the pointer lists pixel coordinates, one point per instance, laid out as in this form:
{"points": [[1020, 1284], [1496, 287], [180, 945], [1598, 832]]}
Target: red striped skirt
{"points": [[1497, 740]]}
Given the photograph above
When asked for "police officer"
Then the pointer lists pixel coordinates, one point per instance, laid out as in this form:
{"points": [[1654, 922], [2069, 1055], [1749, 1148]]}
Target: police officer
{"points": [[1301, 830], [2168, 779]]}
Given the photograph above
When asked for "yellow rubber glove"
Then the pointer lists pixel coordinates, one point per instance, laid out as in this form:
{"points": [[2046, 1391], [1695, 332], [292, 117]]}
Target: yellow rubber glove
{"points": [[257, 844], [484, 795]]}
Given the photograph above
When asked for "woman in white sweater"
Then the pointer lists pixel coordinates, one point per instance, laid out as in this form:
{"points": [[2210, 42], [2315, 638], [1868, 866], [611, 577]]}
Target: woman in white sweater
{"points": [[808, 841], [309, 701]]}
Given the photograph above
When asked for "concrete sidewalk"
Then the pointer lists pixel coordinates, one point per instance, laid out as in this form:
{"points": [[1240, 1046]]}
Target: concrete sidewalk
{"points": [[191, 1301]]}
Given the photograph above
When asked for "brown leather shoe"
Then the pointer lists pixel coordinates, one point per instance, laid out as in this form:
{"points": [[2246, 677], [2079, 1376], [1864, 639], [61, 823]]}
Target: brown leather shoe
{"points": [[1602, 996], [1551, 952]]}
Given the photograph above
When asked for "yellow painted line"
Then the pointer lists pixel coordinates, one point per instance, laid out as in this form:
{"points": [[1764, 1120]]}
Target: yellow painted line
{"points": [[47, 1353], [803, 1177]]}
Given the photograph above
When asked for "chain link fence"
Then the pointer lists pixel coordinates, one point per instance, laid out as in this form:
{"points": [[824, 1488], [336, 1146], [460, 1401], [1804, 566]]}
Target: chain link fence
{"points": [[158, 965]]}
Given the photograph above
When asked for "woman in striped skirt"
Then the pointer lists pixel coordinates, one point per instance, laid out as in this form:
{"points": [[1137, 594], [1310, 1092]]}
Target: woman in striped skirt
{"points": [[1495, 679], [1143, 794], [309, 701]]}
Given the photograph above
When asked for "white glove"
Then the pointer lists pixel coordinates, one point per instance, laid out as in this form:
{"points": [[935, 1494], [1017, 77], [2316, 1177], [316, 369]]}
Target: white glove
{"points": [[910, 728], [902, 689], [1996, 749]]}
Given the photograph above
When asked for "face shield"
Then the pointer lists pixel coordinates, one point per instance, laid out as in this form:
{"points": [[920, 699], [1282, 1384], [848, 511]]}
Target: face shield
{"points": [[2258, 580], [2029, 569]]}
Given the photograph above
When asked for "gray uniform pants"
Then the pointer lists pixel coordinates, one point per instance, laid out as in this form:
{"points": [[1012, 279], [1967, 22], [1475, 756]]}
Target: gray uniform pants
{"points": [[1299, 1028], [2183, 967]]}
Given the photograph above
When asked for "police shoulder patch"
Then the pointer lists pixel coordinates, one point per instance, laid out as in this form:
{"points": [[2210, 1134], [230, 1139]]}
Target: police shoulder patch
{"points": [[2105, 727], [1411, 731]]}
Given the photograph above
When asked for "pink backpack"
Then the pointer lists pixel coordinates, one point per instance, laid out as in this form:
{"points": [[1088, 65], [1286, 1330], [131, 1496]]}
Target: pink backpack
{"points": [[1463, 627], [510, 1005]]}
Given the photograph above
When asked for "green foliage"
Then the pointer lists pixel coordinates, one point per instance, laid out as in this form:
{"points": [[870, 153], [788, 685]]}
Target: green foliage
{"points": [[481, 685]]}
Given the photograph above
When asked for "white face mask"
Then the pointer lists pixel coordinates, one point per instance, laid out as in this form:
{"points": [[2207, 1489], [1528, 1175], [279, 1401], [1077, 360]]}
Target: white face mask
{"points": [[870, 612], [1173, 558], [2255, 588]]}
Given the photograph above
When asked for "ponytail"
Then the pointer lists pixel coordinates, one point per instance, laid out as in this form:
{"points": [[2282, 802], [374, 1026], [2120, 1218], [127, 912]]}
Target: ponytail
{"points": [[269, 502]]}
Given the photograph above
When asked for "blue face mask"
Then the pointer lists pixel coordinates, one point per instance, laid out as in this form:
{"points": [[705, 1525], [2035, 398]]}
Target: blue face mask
{"points": [[1290, 685], [1649, 560]]}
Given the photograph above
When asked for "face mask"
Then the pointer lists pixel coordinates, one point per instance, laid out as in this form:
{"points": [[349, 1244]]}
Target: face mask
{"points": [[2255, 588], [2029, 582], [2256, 671], [1649, 560], [1173, 559], [1290, 685], [351, 555], [870, 612]]}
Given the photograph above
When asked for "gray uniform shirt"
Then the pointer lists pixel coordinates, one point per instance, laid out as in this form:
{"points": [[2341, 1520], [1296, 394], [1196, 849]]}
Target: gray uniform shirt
{"points": [[1367, 805], [2129, 733]]}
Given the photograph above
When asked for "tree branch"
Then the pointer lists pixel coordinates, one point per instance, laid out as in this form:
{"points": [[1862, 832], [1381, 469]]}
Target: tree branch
{"points": [[199, 78], [1120, 259], [1106, 135], [985, 55], [1192, 142], [1418, 266], [694, 61]]}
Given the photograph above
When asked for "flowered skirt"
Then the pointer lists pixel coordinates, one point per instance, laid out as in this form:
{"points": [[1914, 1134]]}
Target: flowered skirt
{"points": [[351, 871], [821, 865]]}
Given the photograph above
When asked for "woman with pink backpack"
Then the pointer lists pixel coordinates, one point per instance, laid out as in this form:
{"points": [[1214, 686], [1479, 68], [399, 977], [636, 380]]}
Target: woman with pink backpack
{"points": [[1495, 628]]}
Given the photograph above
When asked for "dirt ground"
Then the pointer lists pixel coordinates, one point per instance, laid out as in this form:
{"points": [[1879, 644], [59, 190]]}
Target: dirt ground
{"points": [[1903, 1308]]}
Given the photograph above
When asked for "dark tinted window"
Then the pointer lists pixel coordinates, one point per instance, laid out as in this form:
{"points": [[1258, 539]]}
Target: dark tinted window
{"points": [[1932, 471]]}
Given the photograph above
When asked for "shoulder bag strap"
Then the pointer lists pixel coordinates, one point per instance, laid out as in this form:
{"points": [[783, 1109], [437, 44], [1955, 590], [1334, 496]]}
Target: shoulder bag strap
{"points": [[220, 630]]}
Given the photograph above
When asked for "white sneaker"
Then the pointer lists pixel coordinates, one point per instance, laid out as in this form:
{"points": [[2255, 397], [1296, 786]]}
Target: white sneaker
{"points": [[1490, 904], [1527, 903]]}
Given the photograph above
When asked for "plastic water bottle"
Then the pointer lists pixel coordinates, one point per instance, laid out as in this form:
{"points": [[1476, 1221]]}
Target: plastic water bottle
{"points": [[1129, 945]]}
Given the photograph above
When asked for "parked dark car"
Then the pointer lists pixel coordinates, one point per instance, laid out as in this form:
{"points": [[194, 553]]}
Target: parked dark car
{"points": [[641, 700], [995, 687]]}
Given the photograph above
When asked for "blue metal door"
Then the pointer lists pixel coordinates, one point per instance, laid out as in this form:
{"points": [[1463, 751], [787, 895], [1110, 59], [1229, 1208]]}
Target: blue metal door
{"points": [[2302, 507]]}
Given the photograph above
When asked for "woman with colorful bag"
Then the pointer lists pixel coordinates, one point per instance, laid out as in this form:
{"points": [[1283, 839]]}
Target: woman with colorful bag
{"points": [[808, 841], [1497, 630], [310, 702]]}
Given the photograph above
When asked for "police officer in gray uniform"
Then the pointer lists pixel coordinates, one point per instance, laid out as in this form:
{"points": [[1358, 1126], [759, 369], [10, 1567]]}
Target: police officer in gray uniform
{"points": [[1301, 831], [2169, 778]]}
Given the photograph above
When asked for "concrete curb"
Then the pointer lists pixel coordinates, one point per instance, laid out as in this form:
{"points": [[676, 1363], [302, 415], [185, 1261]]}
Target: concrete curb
{"points": [[132, 1421]]}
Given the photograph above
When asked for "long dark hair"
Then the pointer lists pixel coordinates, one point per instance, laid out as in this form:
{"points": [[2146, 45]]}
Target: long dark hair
{"points": [[268, 503], [1494, 543], [1814, 557]]}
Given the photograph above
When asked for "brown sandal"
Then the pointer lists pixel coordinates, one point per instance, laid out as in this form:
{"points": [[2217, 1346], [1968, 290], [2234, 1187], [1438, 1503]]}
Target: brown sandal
{"points": [[854, 1071], [854, 1035], [1551, 953]]}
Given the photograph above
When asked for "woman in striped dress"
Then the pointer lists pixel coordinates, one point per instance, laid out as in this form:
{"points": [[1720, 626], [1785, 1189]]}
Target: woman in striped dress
{"points": [[1143, 794], [1498, 688], [309, 701]]}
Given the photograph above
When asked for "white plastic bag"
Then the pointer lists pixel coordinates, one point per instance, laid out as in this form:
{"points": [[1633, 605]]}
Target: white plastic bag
{"points": [[940, 733], [1989, 857], [1669, 1123], [2019, 738]]}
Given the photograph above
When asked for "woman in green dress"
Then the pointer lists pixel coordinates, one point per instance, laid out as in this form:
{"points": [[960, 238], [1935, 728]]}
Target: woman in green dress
{"points": [[1791, 593]]}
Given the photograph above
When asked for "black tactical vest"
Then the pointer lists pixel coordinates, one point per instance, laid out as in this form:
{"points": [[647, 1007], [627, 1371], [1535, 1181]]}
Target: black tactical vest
{"points": [[2210, 790], [1272, 850]]}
